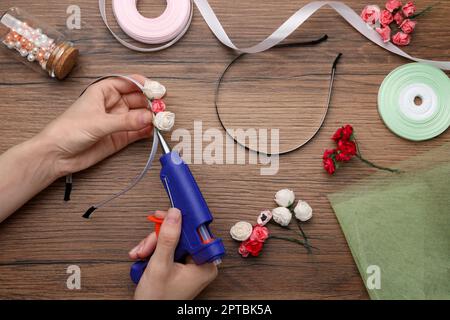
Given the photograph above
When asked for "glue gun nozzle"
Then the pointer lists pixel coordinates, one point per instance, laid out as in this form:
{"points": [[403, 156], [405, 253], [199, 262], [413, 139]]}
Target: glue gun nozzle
{"points": [[165, 147]]}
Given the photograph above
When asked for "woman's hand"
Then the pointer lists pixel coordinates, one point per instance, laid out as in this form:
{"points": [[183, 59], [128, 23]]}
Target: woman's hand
{"points": [[164, 278], [110, 115]]}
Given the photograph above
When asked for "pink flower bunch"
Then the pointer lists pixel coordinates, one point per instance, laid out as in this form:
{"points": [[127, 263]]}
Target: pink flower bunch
{"points": [[255, 243], [395, 16]]}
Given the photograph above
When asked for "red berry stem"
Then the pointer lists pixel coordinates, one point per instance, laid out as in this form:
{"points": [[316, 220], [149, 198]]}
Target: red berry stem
{"points": [[426, 10], [373, 165]]}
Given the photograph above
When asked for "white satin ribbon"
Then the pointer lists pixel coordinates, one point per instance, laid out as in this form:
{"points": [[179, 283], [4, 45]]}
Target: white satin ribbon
{"points": [[297, 19], [288, 27]]}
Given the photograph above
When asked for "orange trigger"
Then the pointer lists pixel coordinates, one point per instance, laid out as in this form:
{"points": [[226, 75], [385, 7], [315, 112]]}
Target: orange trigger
{"points": [[157, 221]]}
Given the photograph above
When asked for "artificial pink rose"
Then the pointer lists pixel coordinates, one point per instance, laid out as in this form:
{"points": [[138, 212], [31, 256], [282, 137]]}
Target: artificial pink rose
{"points": [[393, 5], [158, 106], [401, 39], [259, 233], [252, 247], [386, 18], [243, 250], [408, 26], [409, 9], [385, 33], [398, 17], [371, 14]]}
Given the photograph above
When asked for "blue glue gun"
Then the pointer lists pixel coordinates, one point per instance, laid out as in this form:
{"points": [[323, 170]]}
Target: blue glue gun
{"points": [[196, 240]]}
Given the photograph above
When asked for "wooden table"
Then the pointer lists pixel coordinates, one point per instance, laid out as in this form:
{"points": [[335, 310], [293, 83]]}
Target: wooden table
{"points": [[43, 238]]}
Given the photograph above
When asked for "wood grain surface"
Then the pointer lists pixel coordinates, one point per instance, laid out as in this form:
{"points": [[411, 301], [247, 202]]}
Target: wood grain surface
{"points": [[283, 88]]}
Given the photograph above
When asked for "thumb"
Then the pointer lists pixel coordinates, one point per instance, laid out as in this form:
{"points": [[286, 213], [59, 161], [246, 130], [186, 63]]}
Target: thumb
{"points": [[168, 237], [132, 120]]}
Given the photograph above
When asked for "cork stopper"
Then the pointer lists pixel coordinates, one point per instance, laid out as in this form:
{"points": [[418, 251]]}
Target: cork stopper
{"points": [[62, 60]]}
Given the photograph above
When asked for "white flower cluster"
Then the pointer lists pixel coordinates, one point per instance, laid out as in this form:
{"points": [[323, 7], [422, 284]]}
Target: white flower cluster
{"points": [[165, 120], [282, 215]]}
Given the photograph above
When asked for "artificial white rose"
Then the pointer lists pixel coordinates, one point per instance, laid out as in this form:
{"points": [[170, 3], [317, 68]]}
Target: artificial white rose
{"points": [[153, 89], [164, 121], [285, 198], [303, 211], [241, 231], [282, 216]]}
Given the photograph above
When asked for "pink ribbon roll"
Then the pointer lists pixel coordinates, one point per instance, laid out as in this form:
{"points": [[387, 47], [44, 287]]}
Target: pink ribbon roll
{"points": [[136, 26], [158, 30], [164, 31]]}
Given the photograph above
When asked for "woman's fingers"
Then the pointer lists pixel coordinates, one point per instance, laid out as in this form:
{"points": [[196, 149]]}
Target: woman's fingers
{"points": [[132, 120], [120, 85], [110, 91], [108, 146], [168, 238], [129, 101], [145, 248], [133, 136], [135, 100]]}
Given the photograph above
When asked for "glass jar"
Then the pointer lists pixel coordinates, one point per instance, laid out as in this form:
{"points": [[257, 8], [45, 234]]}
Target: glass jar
{"points": [[36, 44]]}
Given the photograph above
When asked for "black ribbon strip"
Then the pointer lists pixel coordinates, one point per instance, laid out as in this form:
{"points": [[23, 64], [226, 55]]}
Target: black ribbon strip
{"points": [[89, 211], [285, 45]]}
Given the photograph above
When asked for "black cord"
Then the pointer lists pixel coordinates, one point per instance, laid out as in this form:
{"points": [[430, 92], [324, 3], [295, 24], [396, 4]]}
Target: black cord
{"points": [[285, 45], [89, 211], [68, 188]]}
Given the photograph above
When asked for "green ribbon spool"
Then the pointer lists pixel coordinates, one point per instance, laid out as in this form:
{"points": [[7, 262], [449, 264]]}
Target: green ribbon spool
{"points": [[414, 101]]}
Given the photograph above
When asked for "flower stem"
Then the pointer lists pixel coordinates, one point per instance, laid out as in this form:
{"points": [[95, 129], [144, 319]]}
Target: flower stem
{"points": [[307, 246], [426, 10], [288, 239], [373, 165]]}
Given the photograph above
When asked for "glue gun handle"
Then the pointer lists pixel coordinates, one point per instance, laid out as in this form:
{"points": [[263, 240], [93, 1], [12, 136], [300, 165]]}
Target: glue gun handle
{"points": [[137, 270]]}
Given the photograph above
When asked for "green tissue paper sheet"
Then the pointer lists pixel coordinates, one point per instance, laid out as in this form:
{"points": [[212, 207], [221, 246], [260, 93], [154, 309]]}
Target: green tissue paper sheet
{"points": [[401, 224]]}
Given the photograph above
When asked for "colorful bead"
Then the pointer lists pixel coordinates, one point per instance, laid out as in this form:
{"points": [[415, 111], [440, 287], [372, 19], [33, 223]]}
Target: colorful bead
{"points": [[10, 45], [29, 46], [43, 38], [31, 57], [9, 37]]}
